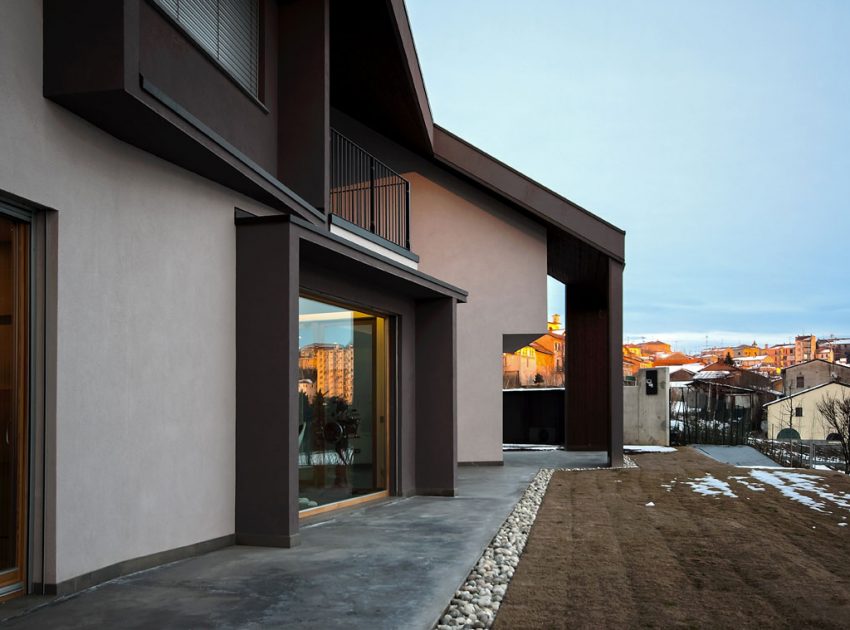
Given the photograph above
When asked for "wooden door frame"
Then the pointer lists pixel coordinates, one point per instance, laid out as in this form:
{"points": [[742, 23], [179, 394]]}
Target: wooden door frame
{"points": [[14, 582], [386, 403]]}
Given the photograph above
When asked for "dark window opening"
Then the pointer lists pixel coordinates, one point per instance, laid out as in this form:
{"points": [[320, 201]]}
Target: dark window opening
{"points": [[229, 30], [801, 381], [798, 412]]}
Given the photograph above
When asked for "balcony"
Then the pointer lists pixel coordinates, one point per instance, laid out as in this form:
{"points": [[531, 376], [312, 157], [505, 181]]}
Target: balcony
{"points": [[367, 193]]}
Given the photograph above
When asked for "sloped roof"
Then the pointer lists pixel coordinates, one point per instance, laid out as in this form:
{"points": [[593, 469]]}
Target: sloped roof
{"points": [[675, 358], [412, 118], [540, 348], [721, 366], [806, 391], [796, 365], [522, 191]]}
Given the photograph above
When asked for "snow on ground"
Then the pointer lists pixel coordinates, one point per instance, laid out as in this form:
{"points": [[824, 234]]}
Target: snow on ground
{"points": [[749, 485], [711, 485], [636, 448], [794, 484], [804, 488], [532, 447]]}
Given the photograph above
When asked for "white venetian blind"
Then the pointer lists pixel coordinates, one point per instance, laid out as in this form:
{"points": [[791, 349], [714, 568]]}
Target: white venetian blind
{"points": [[227, 29]]}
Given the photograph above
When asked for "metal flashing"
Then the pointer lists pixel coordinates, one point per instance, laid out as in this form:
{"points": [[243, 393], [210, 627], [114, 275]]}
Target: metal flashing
{"points": [[186, 116]]}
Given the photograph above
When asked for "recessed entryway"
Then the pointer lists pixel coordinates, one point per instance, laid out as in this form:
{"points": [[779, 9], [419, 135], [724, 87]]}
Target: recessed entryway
{"points": [[343, 422]]}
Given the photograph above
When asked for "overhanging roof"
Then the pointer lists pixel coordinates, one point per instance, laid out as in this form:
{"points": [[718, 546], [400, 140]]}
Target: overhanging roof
{"points": [[520, 190], [376, 78], [375, 72], [517, 341]]}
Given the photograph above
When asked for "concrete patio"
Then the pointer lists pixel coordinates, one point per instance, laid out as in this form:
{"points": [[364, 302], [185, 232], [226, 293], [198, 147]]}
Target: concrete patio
{"points": [[394, 564]]}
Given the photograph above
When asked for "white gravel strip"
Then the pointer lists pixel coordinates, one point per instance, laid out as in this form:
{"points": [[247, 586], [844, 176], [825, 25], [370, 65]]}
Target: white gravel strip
{"points": [[477, 601]]}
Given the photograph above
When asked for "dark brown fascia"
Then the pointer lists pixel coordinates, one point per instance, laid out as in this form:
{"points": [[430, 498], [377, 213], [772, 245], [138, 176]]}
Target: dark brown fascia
{"points": [[519, 190], [254, 181], [496, 176], [416, 284], [102, 83], [407, 46]]}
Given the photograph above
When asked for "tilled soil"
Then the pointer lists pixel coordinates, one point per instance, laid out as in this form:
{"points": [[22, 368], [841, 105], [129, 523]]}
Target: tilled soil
{"points": [[599, 557]]}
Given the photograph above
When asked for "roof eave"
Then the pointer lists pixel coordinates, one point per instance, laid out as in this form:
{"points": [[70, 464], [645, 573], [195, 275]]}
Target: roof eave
{"points": [[520, 190], [398, 11]]}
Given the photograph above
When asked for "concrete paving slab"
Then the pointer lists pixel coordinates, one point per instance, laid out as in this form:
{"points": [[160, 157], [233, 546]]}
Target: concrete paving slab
{"points": [[393, 564], [736, 455]]}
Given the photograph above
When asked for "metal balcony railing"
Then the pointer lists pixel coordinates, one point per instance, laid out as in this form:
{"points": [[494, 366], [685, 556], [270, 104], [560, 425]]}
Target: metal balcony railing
{"points": [[368, 193]]}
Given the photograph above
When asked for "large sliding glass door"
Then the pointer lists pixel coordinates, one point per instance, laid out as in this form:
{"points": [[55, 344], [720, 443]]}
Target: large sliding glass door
{"points": [[343, 429], [14, 313]]}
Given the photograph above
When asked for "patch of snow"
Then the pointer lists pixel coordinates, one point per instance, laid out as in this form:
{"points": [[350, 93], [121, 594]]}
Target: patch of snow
{"points": [[532, 447], [712, 374], [711, 485], [650, 504], [636, 448], [767, 467], [842, 524], [755, 487], [793, 484]]}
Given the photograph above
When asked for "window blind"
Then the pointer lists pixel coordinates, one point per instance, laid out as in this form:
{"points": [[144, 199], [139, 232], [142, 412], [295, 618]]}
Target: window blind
{"points": [[227, 29]]}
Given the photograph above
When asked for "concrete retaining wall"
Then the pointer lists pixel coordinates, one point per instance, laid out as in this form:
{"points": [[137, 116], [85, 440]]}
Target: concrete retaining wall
{"points": [[646, 418]]}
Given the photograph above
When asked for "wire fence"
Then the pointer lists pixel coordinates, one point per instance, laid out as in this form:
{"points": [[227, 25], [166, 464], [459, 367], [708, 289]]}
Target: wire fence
{"points": [[801, 454], [713, 414]]}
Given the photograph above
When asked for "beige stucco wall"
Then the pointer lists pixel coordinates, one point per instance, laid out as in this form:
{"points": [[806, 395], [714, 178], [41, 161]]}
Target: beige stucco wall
{"points": [[810, 426], [145, 392], [466, 239], [813, 373]]}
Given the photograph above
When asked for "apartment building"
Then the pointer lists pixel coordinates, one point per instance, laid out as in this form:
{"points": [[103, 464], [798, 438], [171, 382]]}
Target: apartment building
{"points": [[808, 374], [194, 195]]}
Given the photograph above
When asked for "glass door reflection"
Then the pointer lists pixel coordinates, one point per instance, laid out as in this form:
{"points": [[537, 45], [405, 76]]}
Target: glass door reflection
{"points": [[342, 385]]}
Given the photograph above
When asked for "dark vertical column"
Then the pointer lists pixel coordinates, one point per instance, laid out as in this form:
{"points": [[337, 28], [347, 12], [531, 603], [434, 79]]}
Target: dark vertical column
{"points": [[615, 362], [436, 397], [404, 433], [267, 272], [304, 99], [588, 401]]}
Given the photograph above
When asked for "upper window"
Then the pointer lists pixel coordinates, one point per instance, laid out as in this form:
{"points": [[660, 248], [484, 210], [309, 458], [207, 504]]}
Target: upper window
{"points": [[229, 30], [801, 382]]}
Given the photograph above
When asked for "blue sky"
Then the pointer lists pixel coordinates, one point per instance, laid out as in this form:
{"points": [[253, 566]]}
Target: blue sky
{"points": [[717, 134]]}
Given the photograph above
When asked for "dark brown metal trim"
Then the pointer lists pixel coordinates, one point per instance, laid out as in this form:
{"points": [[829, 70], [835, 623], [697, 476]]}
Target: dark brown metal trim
{"points": [[175, 107], [497, 177], [414, 72], [334, 219], [615, 370], [373, 259]]}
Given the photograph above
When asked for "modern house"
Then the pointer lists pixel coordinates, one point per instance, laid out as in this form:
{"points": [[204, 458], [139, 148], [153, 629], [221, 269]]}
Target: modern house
{"points": [[246, 279]]}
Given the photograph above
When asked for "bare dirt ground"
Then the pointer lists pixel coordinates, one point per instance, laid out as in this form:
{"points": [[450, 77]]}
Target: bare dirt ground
{"points": [[599, 557]]}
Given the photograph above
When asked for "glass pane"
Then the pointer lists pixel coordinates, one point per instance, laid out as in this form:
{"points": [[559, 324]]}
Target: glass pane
{"points": [[342, 430]]}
